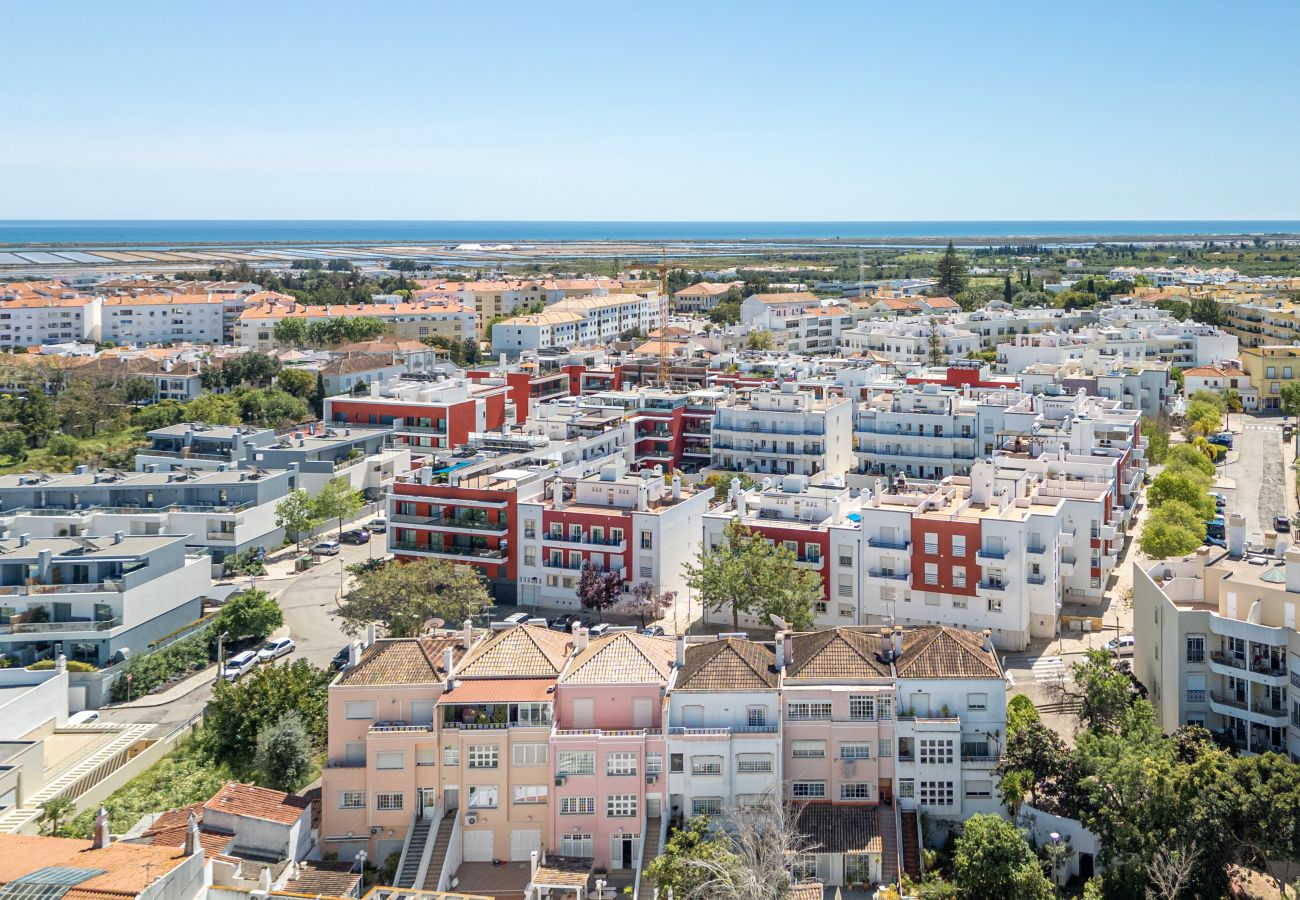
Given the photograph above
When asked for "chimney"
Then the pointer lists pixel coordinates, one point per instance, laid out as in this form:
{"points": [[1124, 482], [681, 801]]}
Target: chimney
{"points": [[988, 640], [23, 539], [370, 634], [354, 654], [117, 536], [642, 496], [101, 838], [780, 651], [580, 638], [681, 650], [1293, 570], [898, 642], [677, 487], [557, 493], [981, 482], [192, 835], [468, 633], [448, 663], [1236, 534], [886, 644], [61, 664]]}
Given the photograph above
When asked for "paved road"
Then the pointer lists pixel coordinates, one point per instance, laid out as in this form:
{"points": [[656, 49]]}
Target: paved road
{"points": [[1257, 467]]}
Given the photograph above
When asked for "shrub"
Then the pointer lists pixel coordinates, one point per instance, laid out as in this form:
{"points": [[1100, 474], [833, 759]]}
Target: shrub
{"points": [[74, 665]]}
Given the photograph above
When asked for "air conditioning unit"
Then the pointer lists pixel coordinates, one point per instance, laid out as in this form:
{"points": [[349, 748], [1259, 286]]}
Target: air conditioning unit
{"points": [[375, 829], [471, 819], [559, 781], [651, 779]]}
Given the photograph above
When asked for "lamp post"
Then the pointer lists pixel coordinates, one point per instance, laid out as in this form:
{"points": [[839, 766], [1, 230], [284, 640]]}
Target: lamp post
{"points": [[221, 654], [1057, 850]]}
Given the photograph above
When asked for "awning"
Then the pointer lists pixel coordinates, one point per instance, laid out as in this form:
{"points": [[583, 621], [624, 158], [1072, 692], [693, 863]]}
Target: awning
{"points": [[500, 690]]}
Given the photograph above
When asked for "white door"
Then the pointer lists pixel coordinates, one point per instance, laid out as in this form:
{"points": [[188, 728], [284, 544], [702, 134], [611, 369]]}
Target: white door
{"points": [[584, 714], [523, 843], [641, 712], [421, 712], [477, 845]]}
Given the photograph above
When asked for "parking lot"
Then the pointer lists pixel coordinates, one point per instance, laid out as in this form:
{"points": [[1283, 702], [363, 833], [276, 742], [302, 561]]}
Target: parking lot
{"points": [[1257, 475]]}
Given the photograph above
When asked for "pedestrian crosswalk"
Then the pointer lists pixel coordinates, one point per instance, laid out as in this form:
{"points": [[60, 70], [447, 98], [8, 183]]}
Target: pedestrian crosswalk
{"points": [[1261, 428], [1047, 669]]}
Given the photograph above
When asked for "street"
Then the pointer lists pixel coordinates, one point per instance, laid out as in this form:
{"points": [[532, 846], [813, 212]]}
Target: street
{"points": [[1256, 478]]}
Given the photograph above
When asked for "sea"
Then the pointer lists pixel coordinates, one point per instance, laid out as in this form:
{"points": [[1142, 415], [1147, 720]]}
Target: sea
{"points": [[92, 232]]}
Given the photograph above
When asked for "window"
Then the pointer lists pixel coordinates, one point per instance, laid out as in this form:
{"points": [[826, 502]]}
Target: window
{"points": [[808, 790], [389, 802], [906, 787], [483, 796], [936, 793], [977, 702], [706, 765], [575, 762], [390, 759], [706, 806], [808, 749], [620, 806], [808, 710], [857, 790], [528, 793], [647, 540], [359, 709], [1195, 648], [675, 762], [483, 756], [751, 763], [862, 708], [756, 716], [959, 545], [620, 764], [931, 573], [936, 752], [886, 747], [577, 806], [654, 763], [576, 845], [450, 756], [959, 576], [884, 708], [995, 604], [979, 789], [426, 756], [860, 750], [931, 544], [528, 754], [352, 799]]}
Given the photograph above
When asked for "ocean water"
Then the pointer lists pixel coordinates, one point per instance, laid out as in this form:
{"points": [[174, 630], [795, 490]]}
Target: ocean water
{"points": [[105, 232]]}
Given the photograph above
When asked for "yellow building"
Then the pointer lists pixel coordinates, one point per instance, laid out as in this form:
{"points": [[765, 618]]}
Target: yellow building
{"points": [[1269, 368]]}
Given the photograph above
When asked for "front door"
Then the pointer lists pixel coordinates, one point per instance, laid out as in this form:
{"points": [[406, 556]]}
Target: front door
{"points": [[428, 803], [624, 855], [886, 791]]}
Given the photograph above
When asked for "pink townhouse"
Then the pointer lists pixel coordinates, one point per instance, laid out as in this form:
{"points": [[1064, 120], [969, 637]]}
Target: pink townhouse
{"points": [[607, 750], [382, 768]]}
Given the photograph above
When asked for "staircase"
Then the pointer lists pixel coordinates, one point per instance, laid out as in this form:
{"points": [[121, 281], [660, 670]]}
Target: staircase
{"points": [[439, 854], [409, 867], [911, 844], [649, 850], [888, 846]]}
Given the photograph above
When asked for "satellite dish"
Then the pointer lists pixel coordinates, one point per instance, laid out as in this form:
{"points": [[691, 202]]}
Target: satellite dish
{"points": [[780, 623]]}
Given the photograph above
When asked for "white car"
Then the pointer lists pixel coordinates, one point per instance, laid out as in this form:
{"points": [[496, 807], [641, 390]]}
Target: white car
{"points": [[276, 648], [239, 664], [326, 548], [1121, 646]]}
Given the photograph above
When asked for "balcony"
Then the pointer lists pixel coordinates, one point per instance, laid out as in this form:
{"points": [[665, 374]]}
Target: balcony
{"points": [[1067, 567], [583, 540], [986, 761], [889, 574], [108, 586], [891, 544], [1109, 560], [723, 731], [990, 555], [1036, 550], [1036, 579], [486, 554], [61, 627], [399, 728], [995, 586], [561, 566], [1262, 671], [1261, 712], [453, 526], [1109, 532]]}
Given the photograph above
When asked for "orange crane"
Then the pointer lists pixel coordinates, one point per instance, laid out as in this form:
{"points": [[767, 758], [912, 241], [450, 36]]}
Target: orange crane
{"points": [[665, 357]]}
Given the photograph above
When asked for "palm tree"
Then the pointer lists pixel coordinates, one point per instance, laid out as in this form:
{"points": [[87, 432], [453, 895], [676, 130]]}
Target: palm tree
{"points": [[1211, 451], [1232, 404]]}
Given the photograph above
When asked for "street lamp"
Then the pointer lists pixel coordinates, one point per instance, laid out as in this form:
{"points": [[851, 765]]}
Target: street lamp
{"points": [[1057, 850], [221, 653]]}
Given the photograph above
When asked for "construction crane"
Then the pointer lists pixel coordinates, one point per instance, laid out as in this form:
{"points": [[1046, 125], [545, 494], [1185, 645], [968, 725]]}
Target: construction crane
{"points": [[665, 356]]}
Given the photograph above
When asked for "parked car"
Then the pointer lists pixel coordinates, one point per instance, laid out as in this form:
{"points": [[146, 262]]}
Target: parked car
{"points": [[518, 618], [239, 664], [1220, 501], [274, 649], [653, 631], [600, 630], [1212, 541], [377, 525], [340, 660], [1222, 439], [1281, 523], [1120, 646], [563, 623], [326, 548], [355, 536]]}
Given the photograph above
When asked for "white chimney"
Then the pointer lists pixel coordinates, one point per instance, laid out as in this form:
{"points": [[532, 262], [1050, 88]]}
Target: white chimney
{"points": [[370, 634], [61, 664], [1236, 534], [354, 654], [557, 493], [677, 487], [780, 651], [101, 838], [192, 845], [580, 638], [898, 642], [1293, 570], [642, 497], [988, 640], [532, 857], [467, 633], [681, 650], [448, 663]]}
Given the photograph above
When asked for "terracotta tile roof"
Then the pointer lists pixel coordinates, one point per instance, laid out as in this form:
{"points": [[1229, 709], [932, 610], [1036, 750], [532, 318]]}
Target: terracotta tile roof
{"points": [[163, 300], [169, 830], [623, 658], [836, 653], [499, 690], [358, 362], [808, 890], [257, 803], [941, 303], [1215, 372], [332, 878], [126, 869], [893, 303], [731, 664], [704, 289], [402, 661], [938, 651], [793, 297], [526, 651], [842, 828]]}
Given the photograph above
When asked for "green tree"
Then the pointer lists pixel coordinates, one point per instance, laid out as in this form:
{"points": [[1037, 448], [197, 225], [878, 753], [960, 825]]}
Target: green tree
{"points": [[1173, 529], [213, 409], [159, 415], [1185, 486], [138, 390], [13, 444], [951, 273], [678, 866], [992, 861], [64, 445], [36, 414], [1267, 814], [297, 514], [1184, 457], [759, 339], [291, 332], [86, 406], [1289, 398], [338, 500], [1036, 749], [1106, 692], [1020, 712], [935, 343], [250, 614], [1157, 431], [55, 815], [745, 574], [1206, 310], [1176, 376], [404, 596], [240, 710], [298, 382], [284, 754]]}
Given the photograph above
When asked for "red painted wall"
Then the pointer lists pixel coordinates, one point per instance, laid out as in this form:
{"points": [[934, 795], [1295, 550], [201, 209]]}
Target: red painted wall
{"points": [[945, 529], [426, 496], [801, 536]]}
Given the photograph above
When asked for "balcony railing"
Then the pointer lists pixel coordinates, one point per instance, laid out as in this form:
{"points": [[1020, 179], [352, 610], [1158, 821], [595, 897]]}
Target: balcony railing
{"points": [[472, 552], [991, 586], [891, 544], [60, 627], [582, 539], [999, 553], [1259, 668], [888, 573], [108, 586]]}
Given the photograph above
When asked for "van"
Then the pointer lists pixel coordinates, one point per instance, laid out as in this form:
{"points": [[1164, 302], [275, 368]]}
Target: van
{"points": [[518, 618]]}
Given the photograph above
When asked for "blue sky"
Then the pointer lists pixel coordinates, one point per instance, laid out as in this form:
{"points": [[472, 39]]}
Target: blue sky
{"points": [[843, 111]]}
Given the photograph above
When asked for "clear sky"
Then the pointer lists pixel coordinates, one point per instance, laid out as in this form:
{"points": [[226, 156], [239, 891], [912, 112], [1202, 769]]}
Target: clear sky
{"points": [[650, 110]]}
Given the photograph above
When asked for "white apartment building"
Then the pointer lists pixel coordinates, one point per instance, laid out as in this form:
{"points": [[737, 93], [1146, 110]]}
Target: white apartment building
{"points": [[163, 318], [578, 321], [992, 325], [1216, 642], [783, 431], [770, 312], [1145, 386], [1183, 344], [924, 432], [907, 341], [34, 320]]}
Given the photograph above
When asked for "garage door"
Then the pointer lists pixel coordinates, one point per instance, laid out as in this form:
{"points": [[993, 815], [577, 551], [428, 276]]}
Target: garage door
{"points": [[478, 845], [523, 843]]}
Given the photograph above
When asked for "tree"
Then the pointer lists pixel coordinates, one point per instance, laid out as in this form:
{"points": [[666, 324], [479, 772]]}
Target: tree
{"points": [[1290, 398], [405, 596], [291, 332], [647, 602], [745, 574], [1206, 310], [598, 589], [138, 390], [250, 614], [284, 754], [1157, 431], [1170, 870], [64, 445], [935, 343], [159, 415], [1038, 750], [13, 444], [951, 272], [297, 514], [1105, 692], [1184, 486], [1020, 712], [240, 710], [992, 861], [36, 414], [758, 843], [85, 406], [55, 814], [1183, 457], [297, 382], [1174, 529], [680, 866], [213, 409], [759, 339], [338, 500], [1267, 813]]}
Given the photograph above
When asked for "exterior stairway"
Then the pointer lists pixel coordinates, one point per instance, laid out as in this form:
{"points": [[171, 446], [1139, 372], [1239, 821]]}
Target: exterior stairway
{"points": [[649, 850], [410, 864], [888, 846], [911, 844], [439, 854]]}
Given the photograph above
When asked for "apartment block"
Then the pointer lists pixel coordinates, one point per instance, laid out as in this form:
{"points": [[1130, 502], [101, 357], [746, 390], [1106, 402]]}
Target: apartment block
{"points": [[1271, 366], [425, 416], [783, 432], [47, 318], [576, 321], [163, 318], [403, 319]]}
